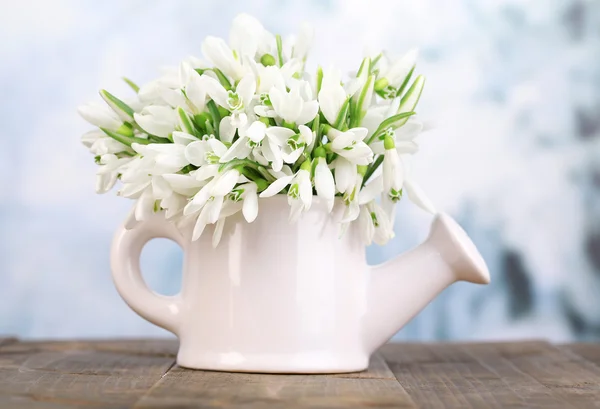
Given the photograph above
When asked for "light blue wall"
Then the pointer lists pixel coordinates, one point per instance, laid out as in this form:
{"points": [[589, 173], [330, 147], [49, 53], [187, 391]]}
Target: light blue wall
{"points": [[513, 87]]}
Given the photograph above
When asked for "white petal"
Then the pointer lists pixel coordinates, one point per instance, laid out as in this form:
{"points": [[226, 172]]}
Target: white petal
{"points": [[345, 175], [215, 207], [183, 138], [256, 131], [100, 116], [307, 134], [199, 226], [217, 147], [331, 100], [370, 191], [195, 153], [225, 184], [215, 90], [324, 183], [277, 186], [279, 134], [196, 93], [250, 209], [226, 130], [293, 156], [239, 150], [218, 233], [185, 185], [342, 140], [308, 113], [305, 188], [161, 188], [245, 89]]}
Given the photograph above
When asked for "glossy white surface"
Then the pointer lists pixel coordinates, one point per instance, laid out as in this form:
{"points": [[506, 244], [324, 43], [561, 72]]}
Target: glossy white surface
{"points": [[280, 297]]}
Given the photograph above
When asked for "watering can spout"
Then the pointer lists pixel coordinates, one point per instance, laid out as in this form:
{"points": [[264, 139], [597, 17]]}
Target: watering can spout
{"points": [[400, 288]]}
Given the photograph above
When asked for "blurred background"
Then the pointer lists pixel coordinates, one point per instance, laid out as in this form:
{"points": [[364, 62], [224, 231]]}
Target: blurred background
{"points": [[513, 90]]}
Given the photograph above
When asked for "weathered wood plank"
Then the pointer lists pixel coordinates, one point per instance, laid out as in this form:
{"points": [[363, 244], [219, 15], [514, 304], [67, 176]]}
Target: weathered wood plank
{"points": [[157, 347], [185, 388], [587, 351], [48, 375], [455, 376], [566, 375]]}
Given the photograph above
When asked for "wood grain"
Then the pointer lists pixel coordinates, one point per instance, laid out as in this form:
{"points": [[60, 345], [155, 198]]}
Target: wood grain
{"points": [[467, 376], [566, 375], [587, 351], [49, 375], [184, 388]]}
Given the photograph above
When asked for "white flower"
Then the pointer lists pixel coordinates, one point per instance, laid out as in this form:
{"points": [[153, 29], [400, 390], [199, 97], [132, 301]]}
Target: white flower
{"points": [[395, 74], [157, 120], [234, 101], [250, 137], [299, 194], [350, 145], [249, 38], [205, 152], [247, 193], [108, 171], [296, 106], [393, 173], [218, 52], [100, 144], [345, 174], [332, 95], [324, 183], [100, 115]]}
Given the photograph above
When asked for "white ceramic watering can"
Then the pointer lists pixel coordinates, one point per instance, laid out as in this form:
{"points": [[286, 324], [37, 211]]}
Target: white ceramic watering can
{"points": [[289, 298]]}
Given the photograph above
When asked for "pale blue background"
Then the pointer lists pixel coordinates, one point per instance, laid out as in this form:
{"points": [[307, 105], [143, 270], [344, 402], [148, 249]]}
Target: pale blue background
{"points": [[513, 87]]}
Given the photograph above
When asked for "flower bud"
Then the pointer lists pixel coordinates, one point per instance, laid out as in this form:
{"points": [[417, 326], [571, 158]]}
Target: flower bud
{"points": [[388, 142], [267, 60], [320, 152], [381, 83]]}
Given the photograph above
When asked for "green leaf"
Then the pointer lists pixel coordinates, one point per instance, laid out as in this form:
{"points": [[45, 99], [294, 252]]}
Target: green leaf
{"points": [[185, 122], [360, 110], [394, 121], [216, 116], [372, 168], [121, 108], [132, 84], [405, 82], [222, 79], [365, 68], [279, 49], [341, 118], [409, 101], [319, 79], [125, 140]]}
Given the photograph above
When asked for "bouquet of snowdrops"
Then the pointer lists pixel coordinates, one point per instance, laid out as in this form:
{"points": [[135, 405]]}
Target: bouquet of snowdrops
{"points": [[207, 139]]}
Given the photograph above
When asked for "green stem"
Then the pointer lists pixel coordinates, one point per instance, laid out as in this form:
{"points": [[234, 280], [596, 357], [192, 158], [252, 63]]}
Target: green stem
{"points": [[372, 169]]}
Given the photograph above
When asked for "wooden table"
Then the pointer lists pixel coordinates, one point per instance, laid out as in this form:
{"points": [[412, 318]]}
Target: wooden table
{"points": [[142, 374]]}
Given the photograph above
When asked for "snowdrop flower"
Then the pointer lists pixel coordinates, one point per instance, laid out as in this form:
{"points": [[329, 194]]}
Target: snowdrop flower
{"points": [[292, 144], [234, 101], [350, 145], [293, 107], [101, 116], [247, 194], [250, 137], [100, 144], [206, 152], [332, 95], [108, 172], [324, 182], [218, 52], [393, 77], [299, 192], [249, 38], [157, 120], [393, 172]]}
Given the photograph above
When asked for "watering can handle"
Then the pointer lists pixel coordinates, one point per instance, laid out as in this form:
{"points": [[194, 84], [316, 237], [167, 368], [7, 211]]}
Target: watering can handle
{"points": [[127, 245]]}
